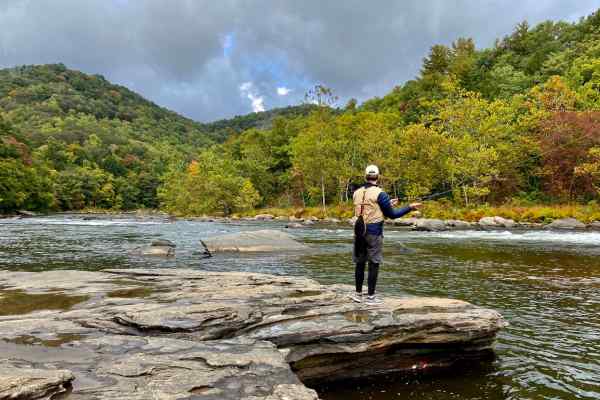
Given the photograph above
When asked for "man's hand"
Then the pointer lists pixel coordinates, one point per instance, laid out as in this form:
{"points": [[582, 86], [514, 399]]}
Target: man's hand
{"points": [[394, 202], [416, 206]]}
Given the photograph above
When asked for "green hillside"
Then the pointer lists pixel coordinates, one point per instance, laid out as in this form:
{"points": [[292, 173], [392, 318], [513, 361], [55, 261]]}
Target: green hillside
{"points": [[70, 140]]}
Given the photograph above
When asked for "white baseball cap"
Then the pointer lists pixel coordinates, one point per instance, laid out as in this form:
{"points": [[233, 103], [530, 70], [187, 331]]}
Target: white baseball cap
{"points": [[372, 170]]}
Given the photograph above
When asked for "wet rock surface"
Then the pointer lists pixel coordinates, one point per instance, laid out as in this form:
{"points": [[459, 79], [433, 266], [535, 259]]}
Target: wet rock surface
{"points": [[174, 334]]}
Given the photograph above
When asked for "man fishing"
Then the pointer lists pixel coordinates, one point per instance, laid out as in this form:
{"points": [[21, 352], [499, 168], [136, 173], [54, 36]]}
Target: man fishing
{"points": [[371, 206]]}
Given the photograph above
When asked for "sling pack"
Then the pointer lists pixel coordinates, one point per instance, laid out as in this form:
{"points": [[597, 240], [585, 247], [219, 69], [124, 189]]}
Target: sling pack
{"points": [[360, 231]]}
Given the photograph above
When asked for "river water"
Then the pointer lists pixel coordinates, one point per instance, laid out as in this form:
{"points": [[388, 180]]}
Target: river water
{"points": [[546, 284]]}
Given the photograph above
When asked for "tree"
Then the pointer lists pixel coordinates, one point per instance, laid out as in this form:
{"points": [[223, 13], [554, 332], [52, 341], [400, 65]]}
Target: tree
{"points": [[437, 62], [211, 183], [321, 96], [567, 145]]}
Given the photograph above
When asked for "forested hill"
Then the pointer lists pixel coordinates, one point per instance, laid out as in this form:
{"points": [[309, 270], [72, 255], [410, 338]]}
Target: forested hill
{"points": [[69, 140], [32, 95]]}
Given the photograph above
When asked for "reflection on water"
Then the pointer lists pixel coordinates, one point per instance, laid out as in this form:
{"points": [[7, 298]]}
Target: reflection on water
{"points": [[16, 302], [546, 284]]}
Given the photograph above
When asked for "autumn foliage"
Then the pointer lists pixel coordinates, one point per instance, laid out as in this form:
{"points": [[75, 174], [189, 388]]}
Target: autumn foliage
{"points": [[565, 140]]}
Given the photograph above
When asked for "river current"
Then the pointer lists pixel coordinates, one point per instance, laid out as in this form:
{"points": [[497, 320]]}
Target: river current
{"points": [[546, 284]]}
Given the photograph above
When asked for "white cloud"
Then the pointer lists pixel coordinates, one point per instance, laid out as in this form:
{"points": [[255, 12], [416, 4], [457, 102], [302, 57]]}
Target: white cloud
{"points": [[283, 91], [246, 86], [258, 104], [248, 90]]}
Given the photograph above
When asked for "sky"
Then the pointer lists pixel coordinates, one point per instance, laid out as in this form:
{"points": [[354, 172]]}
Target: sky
{"points": [[212, 59]]}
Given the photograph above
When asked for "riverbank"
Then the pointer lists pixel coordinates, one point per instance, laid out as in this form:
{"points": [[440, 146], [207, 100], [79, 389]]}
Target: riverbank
{"points": [[520, 213], [540, 214], [434, 216], [169, 334]]}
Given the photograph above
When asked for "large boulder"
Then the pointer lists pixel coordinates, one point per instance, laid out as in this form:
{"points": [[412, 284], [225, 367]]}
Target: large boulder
{"points": [[253, 241], [496, 222], [429, 225], [595, 225], [566, 223], [226, 335]]}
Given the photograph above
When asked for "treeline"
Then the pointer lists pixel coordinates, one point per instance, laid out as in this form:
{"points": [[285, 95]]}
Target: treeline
{"points": [[517, 121], [520, 120]]}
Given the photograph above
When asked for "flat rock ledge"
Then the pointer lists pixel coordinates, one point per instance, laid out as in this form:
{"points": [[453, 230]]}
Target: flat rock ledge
{"points": [[187, 334]]}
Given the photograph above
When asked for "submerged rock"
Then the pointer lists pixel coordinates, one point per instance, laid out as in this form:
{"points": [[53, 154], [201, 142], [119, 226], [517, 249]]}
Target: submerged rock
{"points": [[253, 241], [228, 335], [162, 243], [404, 250], [566, 223], [158, 248]]}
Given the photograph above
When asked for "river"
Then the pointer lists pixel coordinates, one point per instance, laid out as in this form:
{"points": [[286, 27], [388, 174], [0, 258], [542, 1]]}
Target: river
{"points": [[546, 284]]}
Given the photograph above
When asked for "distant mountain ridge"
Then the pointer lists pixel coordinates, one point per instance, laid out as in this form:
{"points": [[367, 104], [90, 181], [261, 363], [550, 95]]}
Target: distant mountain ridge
{"points": [[224, 128], [53, 90]]}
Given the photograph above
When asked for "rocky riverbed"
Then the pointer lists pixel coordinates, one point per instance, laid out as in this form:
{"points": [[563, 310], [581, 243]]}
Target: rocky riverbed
{"points": [[175, 334]]}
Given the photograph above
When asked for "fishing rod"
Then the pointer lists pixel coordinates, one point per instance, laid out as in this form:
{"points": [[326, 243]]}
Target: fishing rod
{"points": [[353, 186], [439, 194], [434, 195]]}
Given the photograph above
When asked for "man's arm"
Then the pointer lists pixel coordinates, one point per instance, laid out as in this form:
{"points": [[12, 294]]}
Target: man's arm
{"points": [[385, 203]]}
